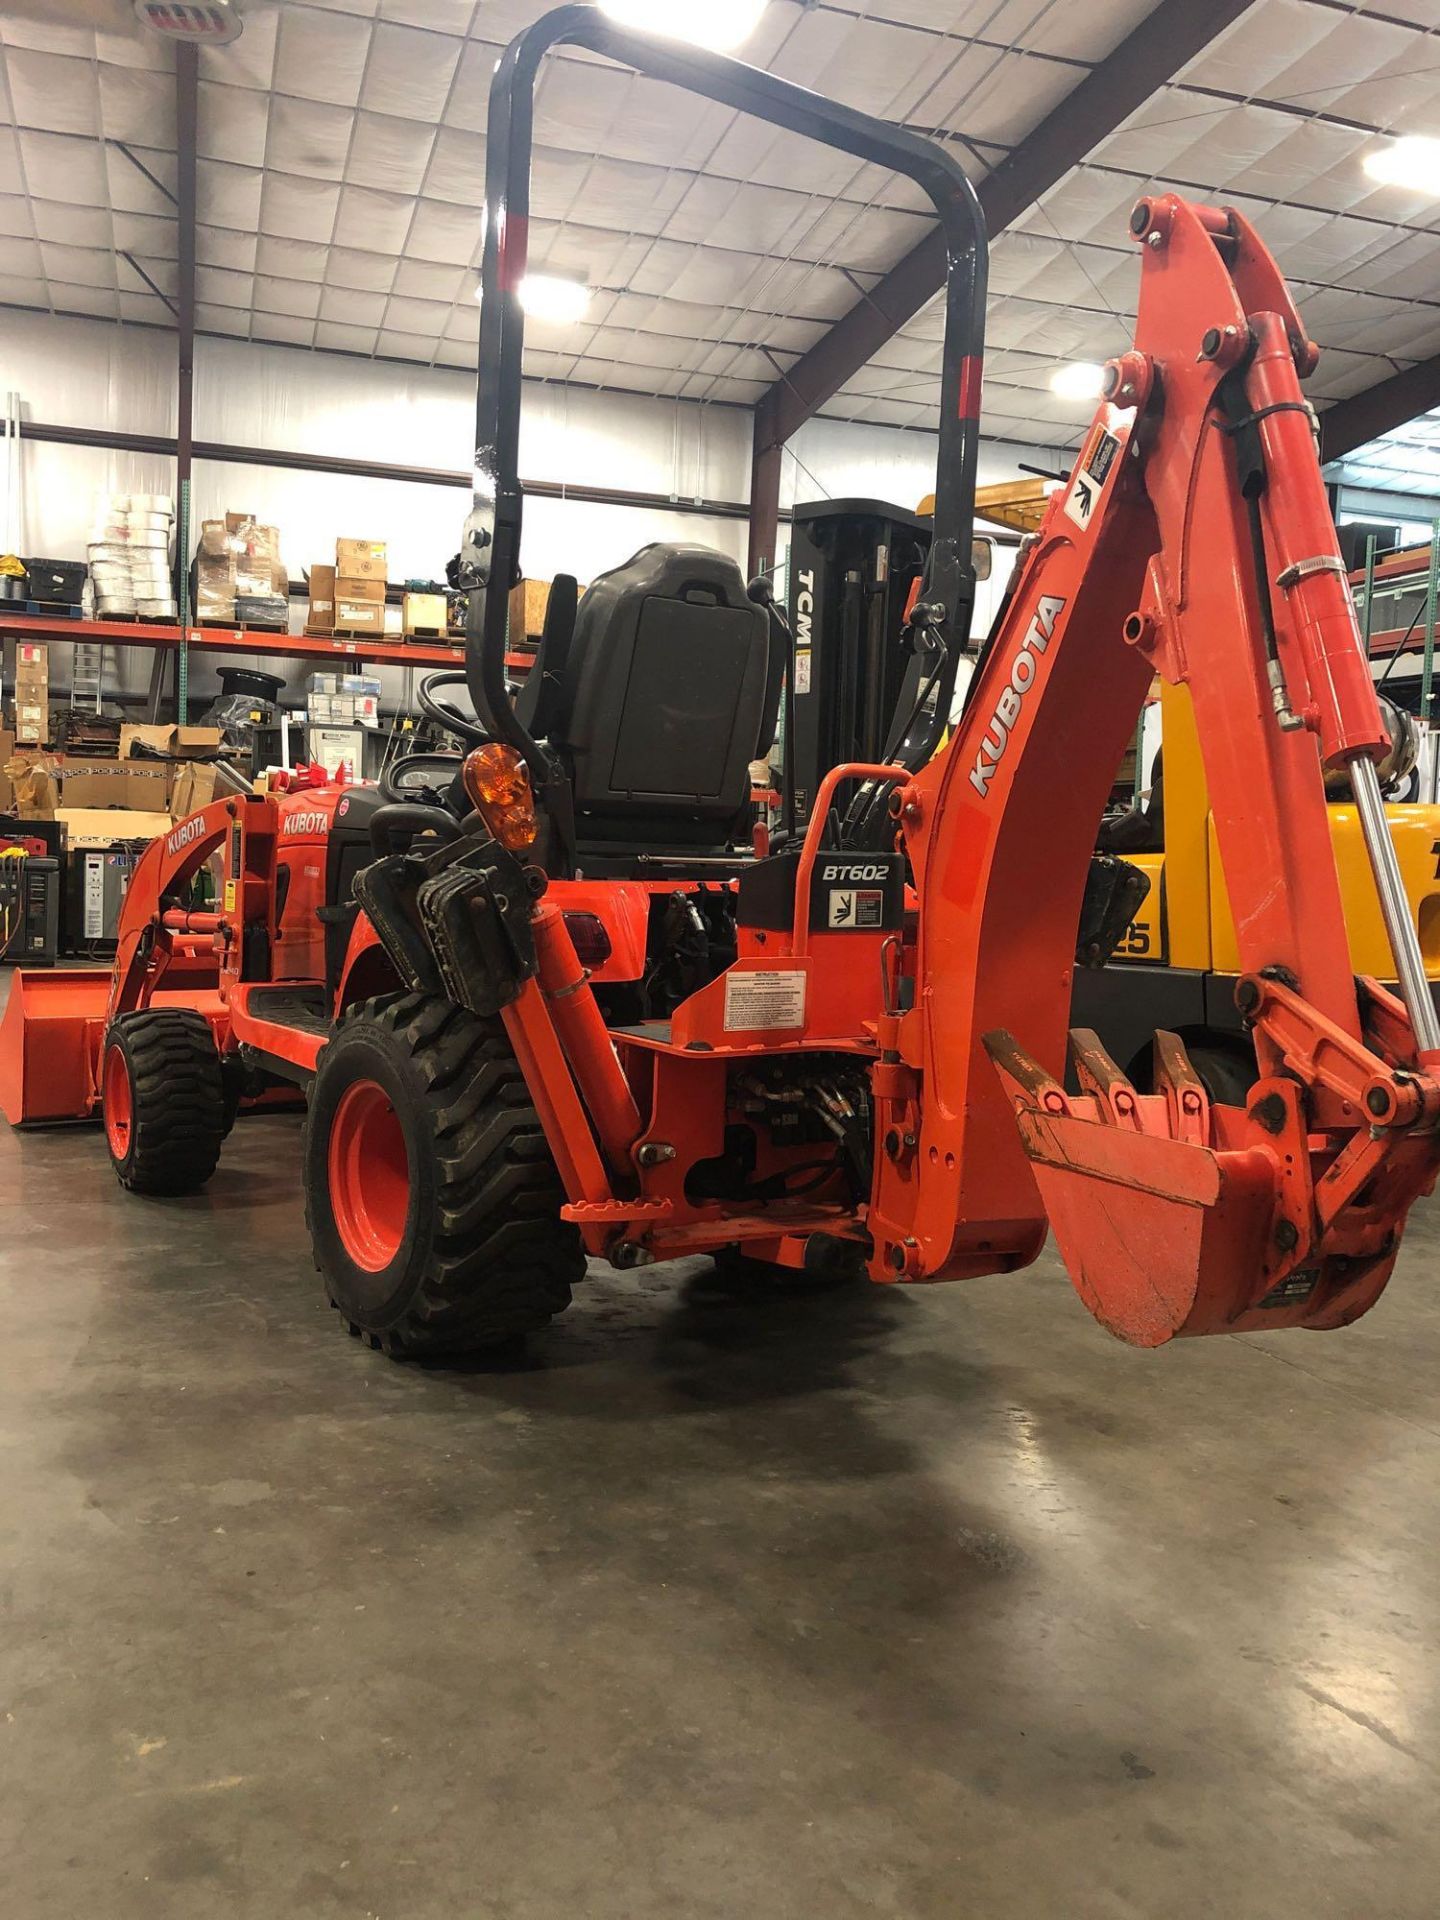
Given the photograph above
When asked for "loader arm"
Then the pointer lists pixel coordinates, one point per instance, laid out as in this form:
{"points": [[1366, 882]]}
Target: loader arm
{"points": [[1193, 539], [155, 930]]}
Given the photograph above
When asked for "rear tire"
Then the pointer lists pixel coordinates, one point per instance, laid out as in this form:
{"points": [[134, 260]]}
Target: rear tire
{"points": [[163, 1101], [431, 1196], [1227, 1072]]}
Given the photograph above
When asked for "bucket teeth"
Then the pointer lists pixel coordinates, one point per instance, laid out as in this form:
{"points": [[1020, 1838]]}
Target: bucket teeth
{"points": [[1097, 1074], [1187, 1104]]}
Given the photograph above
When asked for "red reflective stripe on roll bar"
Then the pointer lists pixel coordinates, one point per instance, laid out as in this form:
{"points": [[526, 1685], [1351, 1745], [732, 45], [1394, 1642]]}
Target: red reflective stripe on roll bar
{"points": [[970, 374]]}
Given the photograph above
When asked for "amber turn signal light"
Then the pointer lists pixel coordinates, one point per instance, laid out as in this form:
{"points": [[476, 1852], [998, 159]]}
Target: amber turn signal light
{"points": [[498, 783]]}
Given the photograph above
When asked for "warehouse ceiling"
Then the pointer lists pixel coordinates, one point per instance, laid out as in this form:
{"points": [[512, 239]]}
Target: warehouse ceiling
{"points": [[342, 163]]}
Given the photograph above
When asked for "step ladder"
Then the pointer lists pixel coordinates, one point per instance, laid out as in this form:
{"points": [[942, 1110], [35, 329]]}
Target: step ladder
{"points": [[87, 675]]}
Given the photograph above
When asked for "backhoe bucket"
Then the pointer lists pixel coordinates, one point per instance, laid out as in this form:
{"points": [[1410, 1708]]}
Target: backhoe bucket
{"points": [[50, 1040], [1167, 1221]]}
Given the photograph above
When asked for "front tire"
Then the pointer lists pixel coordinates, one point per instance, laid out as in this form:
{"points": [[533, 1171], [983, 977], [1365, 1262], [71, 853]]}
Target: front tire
{"points": [[431, 1196], [163, 1101]]}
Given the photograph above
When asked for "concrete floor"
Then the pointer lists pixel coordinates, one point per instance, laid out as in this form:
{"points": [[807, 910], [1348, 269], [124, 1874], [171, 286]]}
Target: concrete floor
{"points": [[877, 1603]]}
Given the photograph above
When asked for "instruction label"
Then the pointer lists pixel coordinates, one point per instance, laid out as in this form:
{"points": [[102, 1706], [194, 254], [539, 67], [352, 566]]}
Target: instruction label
{"points": [[802, 671], [764, 1001]]}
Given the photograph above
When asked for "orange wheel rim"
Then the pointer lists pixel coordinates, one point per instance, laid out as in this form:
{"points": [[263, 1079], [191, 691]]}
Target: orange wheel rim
{"points": [[369, 1171]]}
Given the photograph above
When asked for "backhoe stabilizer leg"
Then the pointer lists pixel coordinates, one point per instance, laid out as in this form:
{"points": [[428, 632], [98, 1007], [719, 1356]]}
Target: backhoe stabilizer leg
{"points": [[1177, 1216]]}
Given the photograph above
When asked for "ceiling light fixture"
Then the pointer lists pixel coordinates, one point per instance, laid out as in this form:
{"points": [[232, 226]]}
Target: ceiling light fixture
{"points": [[552, 297], [1081, 380], [1413, 162], [717, 25]]}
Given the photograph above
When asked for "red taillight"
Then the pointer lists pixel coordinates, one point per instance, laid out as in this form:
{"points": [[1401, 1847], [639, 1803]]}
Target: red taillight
{"points": [[590, 940]]}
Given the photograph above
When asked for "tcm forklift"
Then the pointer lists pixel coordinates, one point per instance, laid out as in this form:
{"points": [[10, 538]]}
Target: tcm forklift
{"points": [[546, 1001], [1177, 964]]}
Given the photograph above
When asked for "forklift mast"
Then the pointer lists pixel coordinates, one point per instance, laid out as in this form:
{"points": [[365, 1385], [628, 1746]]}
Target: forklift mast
{"points": [[854, 568]]}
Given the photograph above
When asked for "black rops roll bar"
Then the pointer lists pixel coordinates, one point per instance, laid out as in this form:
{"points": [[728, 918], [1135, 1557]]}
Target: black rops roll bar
{"points": [[490, 551]]}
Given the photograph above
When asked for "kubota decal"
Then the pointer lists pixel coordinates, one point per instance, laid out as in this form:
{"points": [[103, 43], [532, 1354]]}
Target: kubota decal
{"points": [[187, 831], [996, 736]]}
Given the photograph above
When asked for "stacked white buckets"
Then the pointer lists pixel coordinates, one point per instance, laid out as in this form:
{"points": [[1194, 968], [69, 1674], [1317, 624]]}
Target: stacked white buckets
{"points": [[129, 554]]}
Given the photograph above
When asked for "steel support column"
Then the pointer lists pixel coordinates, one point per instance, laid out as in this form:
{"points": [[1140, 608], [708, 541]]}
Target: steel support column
{"points": [[187, 64]]}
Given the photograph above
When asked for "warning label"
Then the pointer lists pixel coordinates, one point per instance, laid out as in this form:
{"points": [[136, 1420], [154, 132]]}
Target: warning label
{"points": [[1090, 480], [757, 1002], [856, 907], [802, 670]]}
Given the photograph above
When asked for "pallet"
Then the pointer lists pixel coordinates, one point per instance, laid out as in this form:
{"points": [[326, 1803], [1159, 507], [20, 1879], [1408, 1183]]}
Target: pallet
{"points": [[236, 626], [45, 610], [428, 633]]}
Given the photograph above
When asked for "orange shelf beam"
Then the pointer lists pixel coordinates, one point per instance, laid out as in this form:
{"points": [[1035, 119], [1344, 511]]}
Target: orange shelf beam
{"points": [[307, 646]]}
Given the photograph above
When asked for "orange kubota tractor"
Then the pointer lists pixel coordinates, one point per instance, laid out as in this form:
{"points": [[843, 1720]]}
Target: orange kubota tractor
{"points": [[548, 1004]]}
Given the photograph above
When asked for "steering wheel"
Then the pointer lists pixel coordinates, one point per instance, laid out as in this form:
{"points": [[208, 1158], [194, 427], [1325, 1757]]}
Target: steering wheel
{"points": [[443, 713], [421, 778]]}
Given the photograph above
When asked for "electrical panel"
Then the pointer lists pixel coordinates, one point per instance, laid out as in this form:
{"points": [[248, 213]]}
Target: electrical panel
{"points": [[29, 909]]}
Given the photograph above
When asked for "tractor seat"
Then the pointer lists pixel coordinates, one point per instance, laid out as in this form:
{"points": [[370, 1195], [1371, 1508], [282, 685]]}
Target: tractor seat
{"points": [[657, 698]]}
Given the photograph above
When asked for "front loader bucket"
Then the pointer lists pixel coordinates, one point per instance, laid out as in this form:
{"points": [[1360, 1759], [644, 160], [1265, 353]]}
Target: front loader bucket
{"points": [[1168, 1219], [50, 1040]]}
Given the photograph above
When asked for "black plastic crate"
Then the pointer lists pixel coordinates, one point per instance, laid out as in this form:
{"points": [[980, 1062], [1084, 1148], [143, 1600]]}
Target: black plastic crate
{"points": [[56, 582]]}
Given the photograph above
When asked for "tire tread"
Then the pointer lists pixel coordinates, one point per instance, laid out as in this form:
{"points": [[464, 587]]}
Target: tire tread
{"points": [[503, 1262], [178, 1100]]}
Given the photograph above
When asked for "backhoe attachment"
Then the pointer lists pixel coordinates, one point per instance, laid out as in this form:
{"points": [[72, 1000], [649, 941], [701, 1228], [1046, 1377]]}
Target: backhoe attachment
{"points": [[1193, 540]]}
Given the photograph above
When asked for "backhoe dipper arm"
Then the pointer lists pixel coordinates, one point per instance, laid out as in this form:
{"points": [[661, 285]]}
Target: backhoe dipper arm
{"points": [[1193, 539]]}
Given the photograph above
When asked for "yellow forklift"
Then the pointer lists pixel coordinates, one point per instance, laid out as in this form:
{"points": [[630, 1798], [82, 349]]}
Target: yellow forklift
{"points": [[1177, 965]]}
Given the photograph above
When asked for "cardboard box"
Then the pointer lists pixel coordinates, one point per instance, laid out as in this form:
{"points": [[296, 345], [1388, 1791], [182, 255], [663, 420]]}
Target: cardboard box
{"points": [[190, 741], [325, 683], [426, 613], [160, 738], [215, 586], [358, 588], [7, 754], [89, 827], [180, 743], [193, 788], [32, 724], [32, 693], [360, 559], [321, 584], [35, 792], [359, 616], [528, 601], [358, 683], [142, 785]]}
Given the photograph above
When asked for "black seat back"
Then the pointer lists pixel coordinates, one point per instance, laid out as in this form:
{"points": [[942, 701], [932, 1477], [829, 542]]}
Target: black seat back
{"points": [[668, 691]]}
